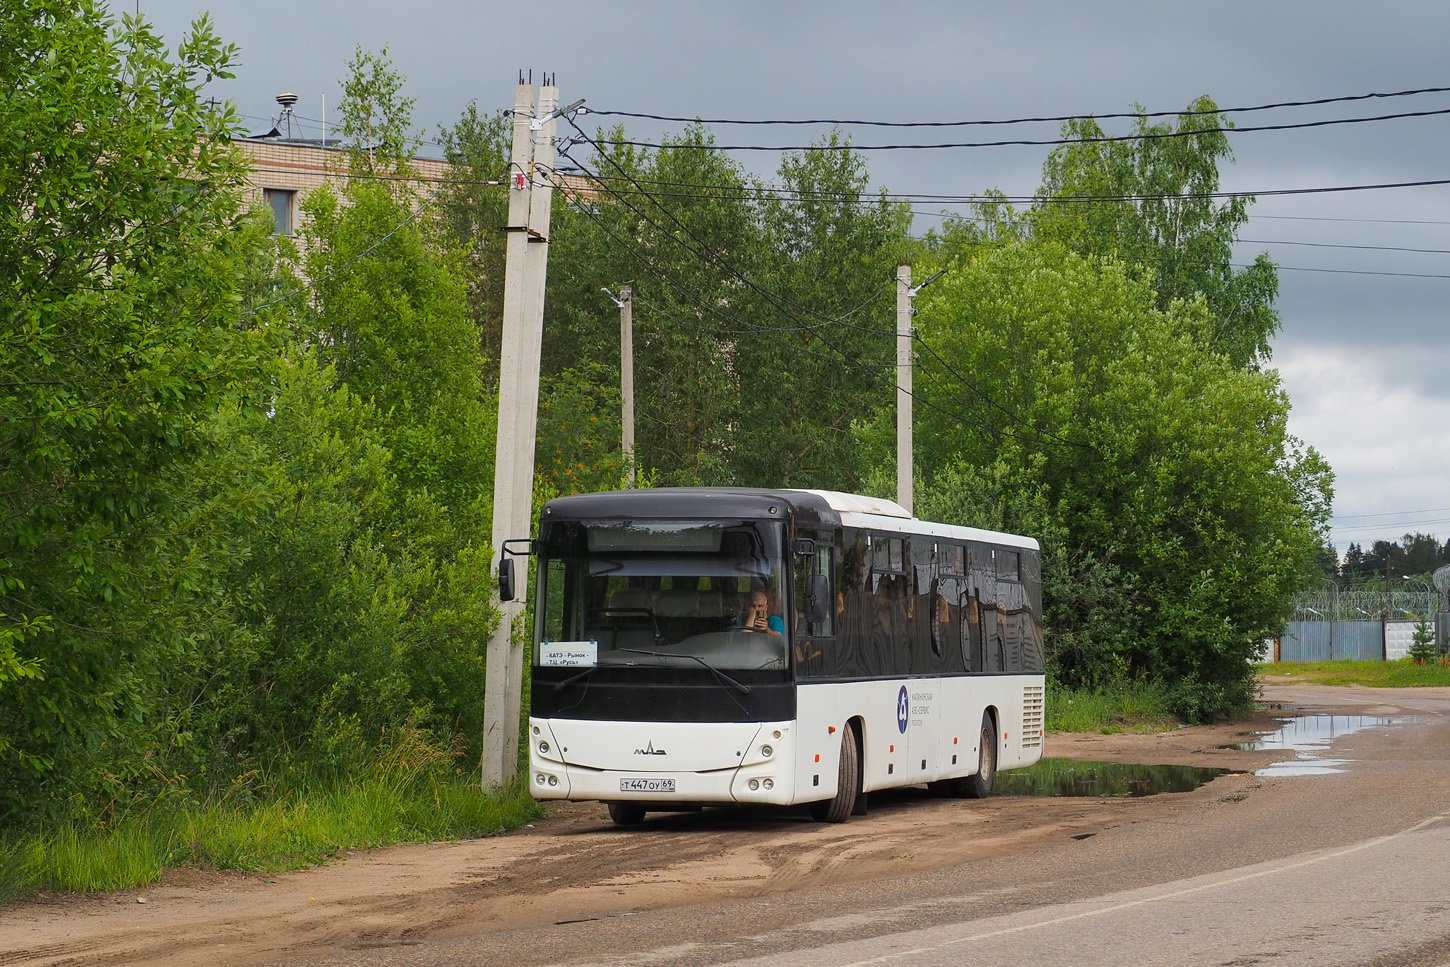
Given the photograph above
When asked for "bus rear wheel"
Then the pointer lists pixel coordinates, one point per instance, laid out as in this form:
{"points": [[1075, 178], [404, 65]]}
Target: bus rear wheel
{"points": [[848, 783], [979, 786], [626, 813]]}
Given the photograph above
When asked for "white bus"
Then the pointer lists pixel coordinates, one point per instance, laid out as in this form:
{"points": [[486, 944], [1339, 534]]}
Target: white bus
{"points": [[702, 646]]}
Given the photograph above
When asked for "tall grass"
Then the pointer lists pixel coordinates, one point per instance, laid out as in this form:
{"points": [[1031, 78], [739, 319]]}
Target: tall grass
{"points": [[410, 794], [1400, 673], [1132, 707]]}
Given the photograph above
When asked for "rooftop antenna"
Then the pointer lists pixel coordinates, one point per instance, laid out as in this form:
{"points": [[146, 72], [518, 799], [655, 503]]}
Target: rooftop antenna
{"points": [[286, 100]]}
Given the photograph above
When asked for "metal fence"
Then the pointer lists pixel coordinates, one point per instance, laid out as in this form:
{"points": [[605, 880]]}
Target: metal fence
{"points": [[1359, 606], [1334, 625], [1333, 641]]}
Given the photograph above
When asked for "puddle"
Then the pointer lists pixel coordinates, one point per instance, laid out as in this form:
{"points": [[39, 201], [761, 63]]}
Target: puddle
{"points": [[1068, 777], [1312, 733], [1307, 736], [1303, 767]]}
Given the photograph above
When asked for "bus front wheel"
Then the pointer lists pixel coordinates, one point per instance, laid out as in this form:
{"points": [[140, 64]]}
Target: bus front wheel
{"points": [[848, 782]]}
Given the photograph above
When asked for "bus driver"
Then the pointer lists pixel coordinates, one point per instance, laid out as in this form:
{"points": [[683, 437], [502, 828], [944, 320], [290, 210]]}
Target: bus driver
{"points": [[756, 617]]}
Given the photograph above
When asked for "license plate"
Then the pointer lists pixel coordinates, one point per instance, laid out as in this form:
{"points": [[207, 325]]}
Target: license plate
{"points": [[646, 785]]}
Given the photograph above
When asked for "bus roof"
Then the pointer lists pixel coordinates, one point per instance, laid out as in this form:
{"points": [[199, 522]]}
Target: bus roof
{"points": [[827, 507]]}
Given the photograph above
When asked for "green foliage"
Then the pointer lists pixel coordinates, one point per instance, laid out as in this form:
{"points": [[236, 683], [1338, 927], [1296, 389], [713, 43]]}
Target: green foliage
{"points": [[122, 340], [403, 790], [829, 254], [1177, 516], [473, 212], [365, 593], [233, 538], [1422, 645], [1125, 707], [376, 117], [1415, 555], [579, 448], [743, 368], [1148, 202], [1404, 673]]}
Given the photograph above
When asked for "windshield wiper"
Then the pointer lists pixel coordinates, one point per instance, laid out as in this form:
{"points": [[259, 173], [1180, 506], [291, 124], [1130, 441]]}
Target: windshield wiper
{"points": [[560, 686], [660, 639], [744, 689]]}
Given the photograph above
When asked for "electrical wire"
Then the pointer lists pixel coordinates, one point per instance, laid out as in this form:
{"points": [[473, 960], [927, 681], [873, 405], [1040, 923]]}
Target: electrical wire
{"points": [[774, 299], [839, 122], [1382, 528], [1038, 142], [703, 250], [1392, 513], [1345, 245], [1021, 199], [710, 307]]}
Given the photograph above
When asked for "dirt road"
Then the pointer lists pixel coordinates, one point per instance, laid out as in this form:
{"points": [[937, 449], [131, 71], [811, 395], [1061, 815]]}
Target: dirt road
{"points": [[574, 867]]}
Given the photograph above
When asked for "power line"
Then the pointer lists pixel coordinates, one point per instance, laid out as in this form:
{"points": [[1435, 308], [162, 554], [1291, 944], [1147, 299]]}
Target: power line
{"points": [[840, 357], [840, 122], [710, 307], [1373, 221], [1388, 525], [1036, 142], [1392, 513], [1397, 275], [1345, 245], [775, 298], [791, 194]]}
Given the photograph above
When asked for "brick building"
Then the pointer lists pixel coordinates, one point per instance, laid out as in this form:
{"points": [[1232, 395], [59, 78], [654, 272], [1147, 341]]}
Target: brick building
{"points": [[282, 169]]}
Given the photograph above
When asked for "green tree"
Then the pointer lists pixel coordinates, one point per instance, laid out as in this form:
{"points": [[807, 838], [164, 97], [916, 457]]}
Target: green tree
{"points": [[1422, 644], [474, 210], [365, 590], [822, 321], [122, 339], [1178, 517], [1149, 203]]}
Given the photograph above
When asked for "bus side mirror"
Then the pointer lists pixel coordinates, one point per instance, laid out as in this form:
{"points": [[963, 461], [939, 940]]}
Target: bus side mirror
{"points": [[818, 593], [506, 579]]}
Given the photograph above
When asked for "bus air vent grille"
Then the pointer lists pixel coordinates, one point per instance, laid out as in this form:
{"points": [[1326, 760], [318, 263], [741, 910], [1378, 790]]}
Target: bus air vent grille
{"points": [[1032, 717]]}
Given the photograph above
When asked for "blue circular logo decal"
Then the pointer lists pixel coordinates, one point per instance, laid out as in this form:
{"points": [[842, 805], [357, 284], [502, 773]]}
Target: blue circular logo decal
{"points": [[903, 708]]}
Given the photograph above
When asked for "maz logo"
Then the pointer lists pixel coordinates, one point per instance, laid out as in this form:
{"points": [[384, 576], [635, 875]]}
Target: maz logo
{"points": [[649, 750]]}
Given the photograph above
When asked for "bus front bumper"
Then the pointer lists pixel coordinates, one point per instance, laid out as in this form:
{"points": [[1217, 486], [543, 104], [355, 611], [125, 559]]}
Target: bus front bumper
{"points": [[764, 775]]}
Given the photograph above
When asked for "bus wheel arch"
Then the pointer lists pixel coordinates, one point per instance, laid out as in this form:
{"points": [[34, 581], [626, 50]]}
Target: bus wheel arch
{"points": [[848, 779], [979, 784]]}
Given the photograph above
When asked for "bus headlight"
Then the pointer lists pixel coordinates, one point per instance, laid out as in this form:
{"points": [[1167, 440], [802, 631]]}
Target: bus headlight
{"points": [[768, 783], [543, 748], [766, 751], [754, 784]]}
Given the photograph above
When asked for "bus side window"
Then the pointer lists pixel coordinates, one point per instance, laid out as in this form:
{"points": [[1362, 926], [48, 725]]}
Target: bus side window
{"points": [[818, 563], [554, 578]]}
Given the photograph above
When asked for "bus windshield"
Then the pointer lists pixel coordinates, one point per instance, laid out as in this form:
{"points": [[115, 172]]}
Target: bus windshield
{"points": [[676, 593]]}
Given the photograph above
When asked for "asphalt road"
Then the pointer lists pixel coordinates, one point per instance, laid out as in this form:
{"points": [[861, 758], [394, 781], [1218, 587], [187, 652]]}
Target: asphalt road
{"points": [[1344, 868]]}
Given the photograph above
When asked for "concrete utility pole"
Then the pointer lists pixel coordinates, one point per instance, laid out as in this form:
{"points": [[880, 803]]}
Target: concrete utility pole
{"points": [[625, 301], [626, 374], [904, 293], [526, 260]]}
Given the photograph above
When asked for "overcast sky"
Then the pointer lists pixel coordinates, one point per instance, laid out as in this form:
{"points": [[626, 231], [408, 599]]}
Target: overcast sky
{"points": [[1363, 356]]}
